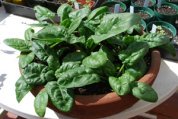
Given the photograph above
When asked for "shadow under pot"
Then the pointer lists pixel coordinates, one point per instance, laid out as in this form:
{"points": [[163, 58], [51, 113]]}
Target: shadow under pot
{"points": [[140, 3], [164, 28], [111, 6], [167, 12], [146, 14], [32, 3]]}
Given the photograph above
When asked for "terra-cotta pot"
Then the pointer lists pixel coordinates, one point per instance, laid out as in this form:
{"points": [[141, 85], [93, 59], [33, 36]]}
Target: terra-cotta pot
{"points": [[97, 106]]}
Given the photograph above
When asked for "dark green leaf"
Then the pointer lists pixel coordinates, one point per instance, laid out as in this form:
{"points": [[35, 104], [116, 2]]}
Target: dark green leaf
{"points": [[114, 24], [51, 32], [40, 103], [36, 74], [72, 39], [95, 60], [145, 92], [74, 25], [25, 59], [21, 88], [137, 70], [60, 97], [120, 85], [77, 77], [63, 11], [43, 13], [169, 48], [74, 56], [17, 44], [67, 66], [133, 53]]}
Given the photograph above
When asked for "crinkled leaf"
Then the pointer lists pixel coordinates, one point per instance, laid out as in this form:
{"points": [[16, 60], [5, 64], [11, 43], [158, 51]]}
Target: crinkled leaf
{"points": [[114, 24], [63, 11], [36, 74], [133, 53], [137, 70], [95, 60], [25, 59], [153, 39], [120, 85], [21, 88], [17, 44], [53, 62], [51, 32], [77, 77], [43, 13], [67, 66], [145, 92], [40, 103], [60, 97]]}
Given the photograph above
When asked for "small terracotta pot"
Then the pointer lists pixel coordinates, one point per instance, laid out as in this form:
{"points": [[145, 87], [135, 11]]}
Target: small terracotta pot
{"points": [[98, 106]]}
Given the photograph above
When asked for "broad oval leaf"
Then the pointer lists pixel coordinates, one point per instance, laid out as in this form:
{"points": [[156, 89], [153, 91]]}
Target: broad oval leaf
{"points": [[21, 88], [120, 85], [133, 53], [43, 13], [17, 44], [67, 66], [77, 77], [114, 24], [95, 60], [61, 97], [145, 92], [81, 13], [40, 103]]}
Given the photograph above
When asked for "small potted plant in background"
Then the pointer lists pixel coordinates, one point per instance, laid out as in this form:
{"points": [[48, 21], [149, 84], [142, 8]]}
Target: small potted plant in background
{"points": [[87, 66], [167, 12], [126, 2]]}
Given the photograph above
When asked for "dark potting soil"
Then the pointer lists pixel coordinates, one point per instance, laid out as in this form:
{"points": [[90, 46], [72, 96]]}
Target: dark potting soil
{"points": [[111, 9], [167, 10], [143, 15], [140, 3]]}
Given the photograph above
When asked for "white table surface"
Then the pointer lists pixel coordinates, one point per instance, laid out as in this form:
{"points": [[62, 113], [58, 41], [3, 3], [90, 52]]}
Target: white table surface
{"points": [[12, 26]]}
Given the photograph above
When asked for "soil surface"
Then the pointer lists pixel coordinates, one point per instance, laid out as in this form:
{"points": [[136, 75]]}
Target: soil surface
{"points": [[143, 15], [140, 3], [167, 10], [165, 31]]}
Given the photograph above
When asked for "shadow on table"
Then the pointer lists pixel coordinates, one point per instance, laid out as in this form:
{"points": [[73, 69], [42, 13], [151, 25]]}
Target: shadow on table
{"points": [[2, 79], [8, 52]]}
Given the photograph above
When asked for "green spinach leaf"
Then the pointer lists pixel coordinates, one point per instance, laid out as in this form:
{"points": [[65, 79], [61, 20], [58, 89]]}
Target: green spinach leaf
{"points": [[40, 103], [62, 98], [21, 88], [25, 59]]}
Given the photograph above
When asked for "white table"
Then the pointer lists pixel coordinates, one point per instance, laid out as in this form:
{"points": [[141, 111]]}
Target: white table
{"points": [[13, 26]]}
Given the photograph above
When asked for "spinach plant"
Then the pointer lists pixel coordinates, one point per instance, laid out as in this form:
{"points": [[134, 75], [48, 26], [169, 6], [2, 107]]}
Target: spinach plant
{"points": [[85, 48]]}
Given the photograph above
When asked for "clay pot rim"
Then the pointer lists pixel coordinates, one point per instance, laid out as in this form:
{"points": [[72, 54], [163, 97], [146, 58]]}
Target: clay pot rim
{"points": [[148, 78]]}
